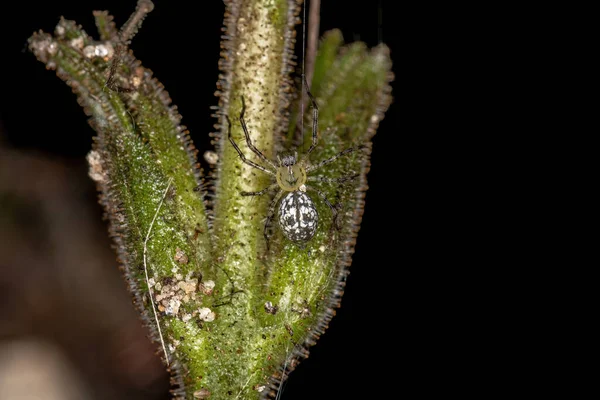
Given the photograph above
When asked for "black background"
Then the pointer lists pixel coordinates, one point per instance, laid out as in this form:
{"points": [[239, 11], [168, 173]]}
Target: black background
{"points": [[39, 113]]}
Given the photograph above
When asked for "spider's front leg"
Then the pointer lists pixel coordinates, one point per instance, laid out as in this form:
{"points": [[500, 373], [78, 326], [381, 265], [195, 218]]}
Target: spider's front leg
{"points": [[249, 141], [242, 156]]}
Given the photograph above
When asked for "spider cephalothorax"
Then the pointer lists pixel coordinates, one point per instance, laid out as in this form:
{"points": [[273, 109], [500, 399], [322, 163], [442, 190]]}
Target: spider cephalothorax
{"points": [[298, 217], [290, 175]]}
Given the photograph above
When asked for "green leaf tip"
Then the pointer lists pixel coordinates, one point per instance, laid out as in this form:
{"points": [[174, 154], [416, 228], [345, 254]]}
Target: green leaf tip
{"points": [[232, 316]]}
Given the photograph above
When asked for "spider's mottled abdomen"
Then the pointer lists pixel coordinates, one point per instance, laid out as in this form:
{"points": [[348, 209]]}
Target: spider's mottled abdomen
{"points": [[298, 217]]}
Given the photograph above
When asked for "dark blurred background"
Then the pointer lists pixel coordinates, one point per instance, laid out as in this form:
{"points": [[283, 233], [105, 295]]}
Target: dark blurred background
{"points": [[67, 326]]}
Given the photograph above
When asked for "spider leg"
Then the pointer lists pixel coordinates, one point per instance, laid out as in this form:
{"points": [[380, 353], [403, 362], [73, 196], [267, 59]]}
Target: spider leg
{"points": [[270, 215], [332, 159], [242, 156], [249, 141], [334, 210], [341, 179], [315, 119], [265, 190]]}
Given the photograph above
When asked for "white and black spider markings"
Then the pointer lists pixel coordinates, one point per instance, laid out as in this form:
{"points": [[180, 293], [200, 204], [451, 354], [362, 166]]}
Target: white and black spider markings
{"points": [[298, 217]]}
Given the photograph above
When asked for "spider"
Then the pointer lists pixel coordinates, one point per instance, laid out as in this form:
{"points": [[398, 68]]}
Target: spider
{"points": [[298, 217]]}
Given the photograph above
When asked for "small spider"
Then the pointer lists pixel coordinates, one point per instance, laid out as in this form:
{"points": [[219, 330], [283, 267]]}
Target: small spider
{"points": [[298, 216]]}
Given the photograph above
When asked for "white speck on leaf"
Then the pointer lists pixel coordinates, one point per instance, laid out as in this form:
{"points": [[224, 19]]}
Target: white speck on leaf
{"points": [[205, 314]]}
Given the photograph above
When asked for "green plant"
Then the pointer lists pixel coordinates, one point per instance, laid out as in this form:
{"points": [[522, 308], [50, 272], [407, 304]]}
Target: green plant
{"points": [[231, 314]]}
